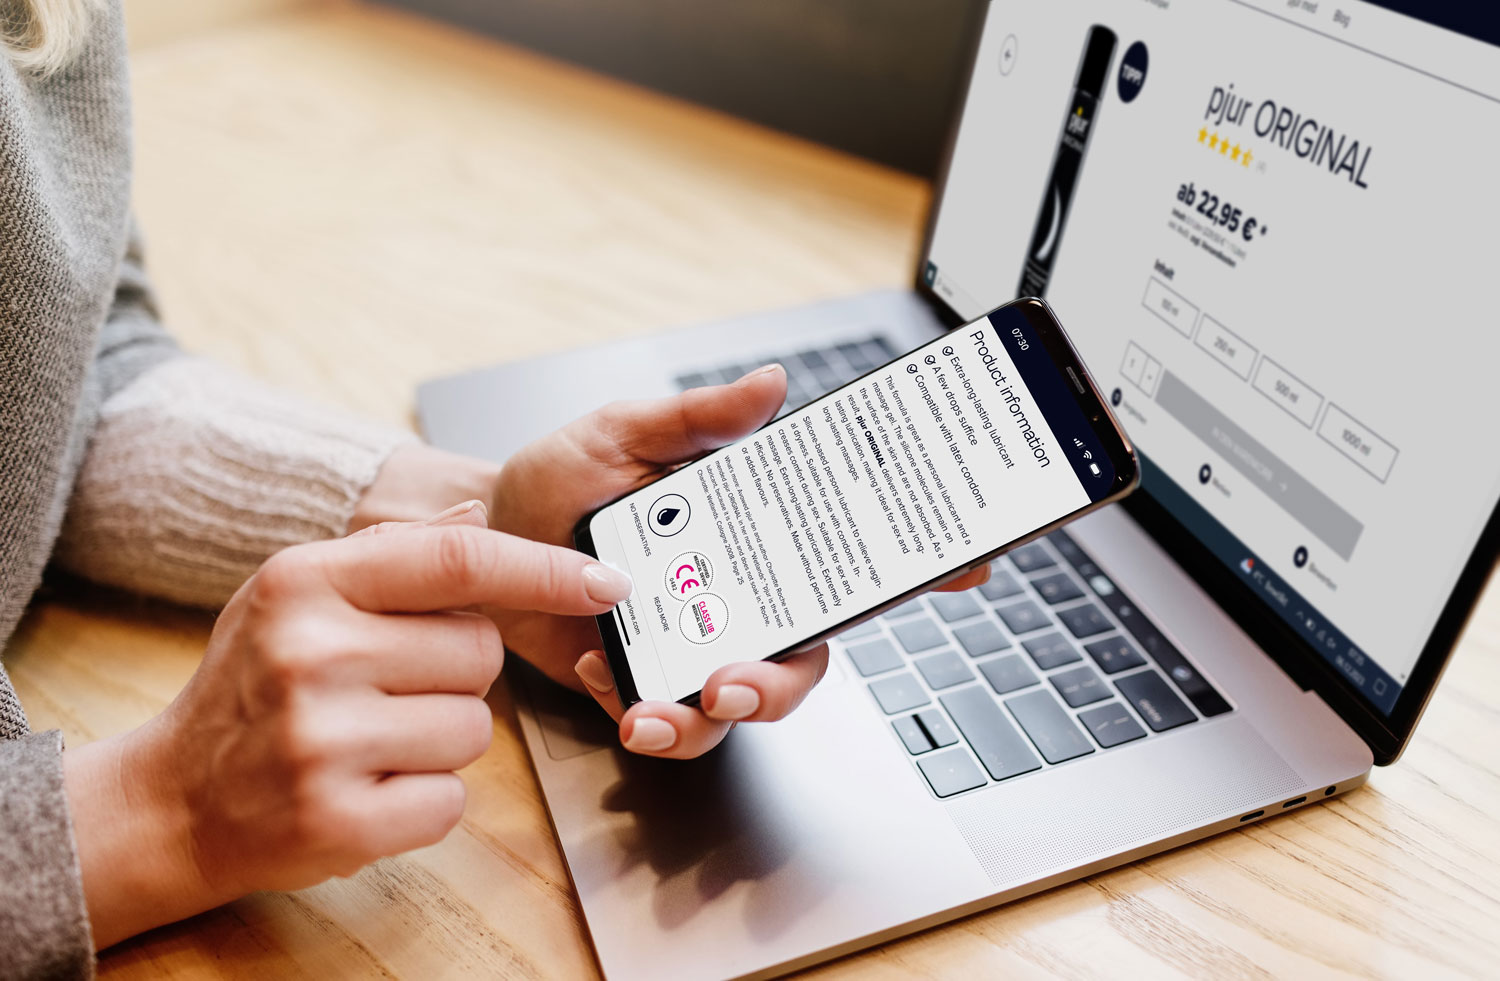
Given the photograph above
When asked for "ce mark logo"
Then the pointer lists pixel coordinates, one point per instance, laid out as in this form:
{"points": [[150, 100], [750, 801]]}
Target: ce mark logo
{"points": [[688, 573]]}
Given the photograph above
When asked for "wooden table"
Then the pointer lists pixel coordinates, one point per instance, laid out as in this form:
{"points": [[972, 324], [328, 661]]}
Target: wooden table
{"points": [[349, 200]]}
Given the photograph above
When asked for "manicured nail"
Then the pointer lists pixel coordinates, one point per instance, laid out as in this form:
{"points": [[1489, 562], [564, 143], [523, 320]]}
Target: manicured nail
{"points": [[985, 571], [651, 736], [458, 510], [606, 585], [734, 702], [595, 673]]}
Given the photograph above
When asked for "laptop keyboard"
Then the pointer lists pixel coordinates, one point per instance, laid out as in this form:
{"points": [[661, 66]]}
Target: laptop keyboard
{"points": [[1045, 663], [810, 373]]}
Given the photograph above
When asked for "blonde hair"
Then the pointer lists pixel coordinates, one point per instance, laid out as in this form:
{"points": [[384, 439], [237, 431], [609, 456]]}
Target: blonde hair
{"points": [[43, 35]]}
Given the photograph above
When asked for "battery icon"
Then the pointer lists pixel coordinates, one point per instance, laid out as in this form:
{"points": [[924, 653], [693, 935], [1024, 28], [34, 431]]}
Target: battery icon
{"points": [[1094, 469]]}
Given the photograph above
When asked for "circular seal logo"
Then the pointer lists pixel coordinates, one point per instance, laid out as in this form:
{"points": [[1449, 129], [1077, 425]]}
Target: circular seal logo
{"points": [[704, 618], [688, 573]]}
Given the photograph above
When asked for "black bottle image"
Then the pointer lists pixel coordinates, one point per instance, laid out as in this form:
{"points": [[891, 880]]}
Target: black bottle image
{"points": [[1083, 108]]}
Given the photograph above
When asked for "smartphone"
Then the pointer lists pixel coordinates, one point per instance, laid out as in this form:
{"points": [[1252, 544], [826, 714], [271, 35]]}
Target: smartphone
{"points": [[929, 466]]}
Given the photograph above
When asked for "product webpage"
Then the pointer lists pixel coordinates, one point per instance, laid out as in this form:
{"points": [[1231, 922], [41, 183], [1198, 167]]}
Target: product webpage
{"points": [[1266, 227], [889, 483]]}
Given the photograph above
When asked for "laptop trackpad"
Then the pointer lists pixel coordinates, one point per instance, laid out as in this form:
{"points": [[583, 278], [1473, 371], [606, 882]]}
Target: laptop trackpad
{"points": [[571, 723]]}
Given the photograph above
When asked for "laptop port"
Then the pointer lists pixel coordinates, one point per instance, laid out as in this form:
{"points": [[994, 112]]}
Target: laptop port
{"points": [[1295, 801], [1251, 816]]}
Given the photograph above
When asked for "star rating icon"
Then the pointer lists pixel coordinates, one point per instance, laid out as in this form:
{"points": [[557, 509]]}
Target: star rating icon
{"points": [[1226, 147]]}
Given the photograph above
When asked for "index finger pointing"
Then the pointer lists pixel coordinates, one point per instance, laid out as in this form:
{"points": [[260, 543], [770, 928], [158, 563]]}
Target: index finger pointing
{"points": [[456, 566]]}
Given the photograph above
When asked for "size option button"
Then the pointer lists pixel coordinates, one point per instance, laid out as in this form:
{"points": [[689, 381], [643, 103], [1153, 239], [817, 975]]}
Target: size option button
{"points": [[1356, 441], [1282, 387], [1133, 364], [1169, 305], [1227, 347]]}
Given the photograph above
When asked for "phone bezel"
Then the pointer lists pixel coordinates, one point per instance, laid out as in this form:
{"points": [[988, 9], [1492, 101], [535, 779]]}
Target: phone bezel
{"points": [[1089, 398]]}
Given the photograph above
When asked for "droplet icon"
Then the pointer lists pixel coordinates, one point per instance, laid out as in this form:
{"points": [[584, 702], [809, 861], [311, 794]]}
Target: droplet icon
{"points": [[668, 514]]}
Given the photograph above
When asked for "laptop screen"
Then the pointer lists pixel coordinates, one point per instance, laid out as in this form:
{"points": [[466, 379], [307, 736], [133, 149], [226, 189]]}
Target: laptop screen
{"points": [[1268, 225]]}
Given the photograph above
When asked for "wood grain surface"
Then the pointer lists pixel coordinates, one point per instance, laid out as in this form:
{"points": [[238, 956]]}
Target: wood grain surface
{"points": [[346, 201]]}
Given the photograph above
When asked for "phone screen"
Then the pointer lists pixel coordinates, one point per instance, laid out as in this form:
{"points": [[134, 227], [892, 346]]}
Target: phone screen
{"points": [[875, 490]]}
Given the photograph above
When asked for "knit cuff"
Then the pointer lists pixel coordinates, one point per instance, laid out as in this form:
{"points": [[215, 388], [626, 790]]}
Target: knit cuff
{"points": [[44, 925], [195, 475]]}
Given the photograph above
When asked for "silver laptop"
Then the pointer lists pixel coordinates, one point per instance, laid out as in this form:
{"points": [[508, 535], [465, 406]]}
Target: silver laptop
{"points": [[1264, 226]]}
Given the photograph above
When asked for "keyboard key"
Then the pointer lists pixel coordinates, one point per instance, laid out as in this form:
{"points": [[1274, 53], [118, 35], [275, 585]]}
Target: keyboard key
{"points": [[918, 635], [863, 630], [1001, 585], [981, 638], [1007, 674], [693, 380], [898, 692], [955, 606], [913, 736], [1085, 621], [951, 772], [990, 734], [828, 379], [1057, 588], [874, 657], [1111, 725], [1197, 688], [1080, 686], [1170, 659], [1030, 558], [944, 670], [909, 608], [1023, 617], [1154, 700], [1051, 651], [1050, 728], [1114, 654], [879, 347], [937, 727], [856, 357]]}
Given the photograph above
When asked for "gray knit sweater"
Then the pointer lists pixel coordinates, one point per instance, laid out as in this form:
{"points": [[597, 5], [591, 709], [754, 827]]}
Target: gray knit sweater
{"points": [[121, 459]]}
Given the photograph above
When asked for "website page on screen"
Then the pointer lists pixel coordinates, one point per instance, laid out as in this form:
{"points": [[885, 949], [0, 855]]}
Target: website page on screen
{"points": [[913, 471], [1269, 234]]}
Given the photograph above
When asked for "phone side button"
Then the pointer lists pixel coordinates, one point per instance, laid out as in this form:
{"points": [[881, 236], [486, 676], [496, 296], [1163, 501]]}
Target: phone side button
{"points": [[951, 772]]}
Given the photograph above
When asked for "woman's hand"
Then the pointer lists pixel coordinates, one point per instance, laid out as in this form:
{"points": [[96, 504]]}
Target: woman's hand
{"points": [[341, 689], [545, 489]]}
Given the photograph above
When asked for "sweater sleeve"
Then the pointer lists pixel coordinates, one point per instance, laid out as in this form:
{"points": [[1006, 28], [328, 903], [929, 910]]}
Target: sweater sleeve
{"points": [[44, 930], [195, 474]]}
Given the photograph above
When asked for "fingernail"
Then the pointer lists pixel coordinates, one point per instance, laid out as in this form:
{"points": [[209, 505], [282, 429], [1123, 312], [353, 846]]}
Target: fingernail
{"points": [[458, 510], [651, 736], [734, 702], [765, 370], [606, 585], [595, 673], [985, 572]]}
